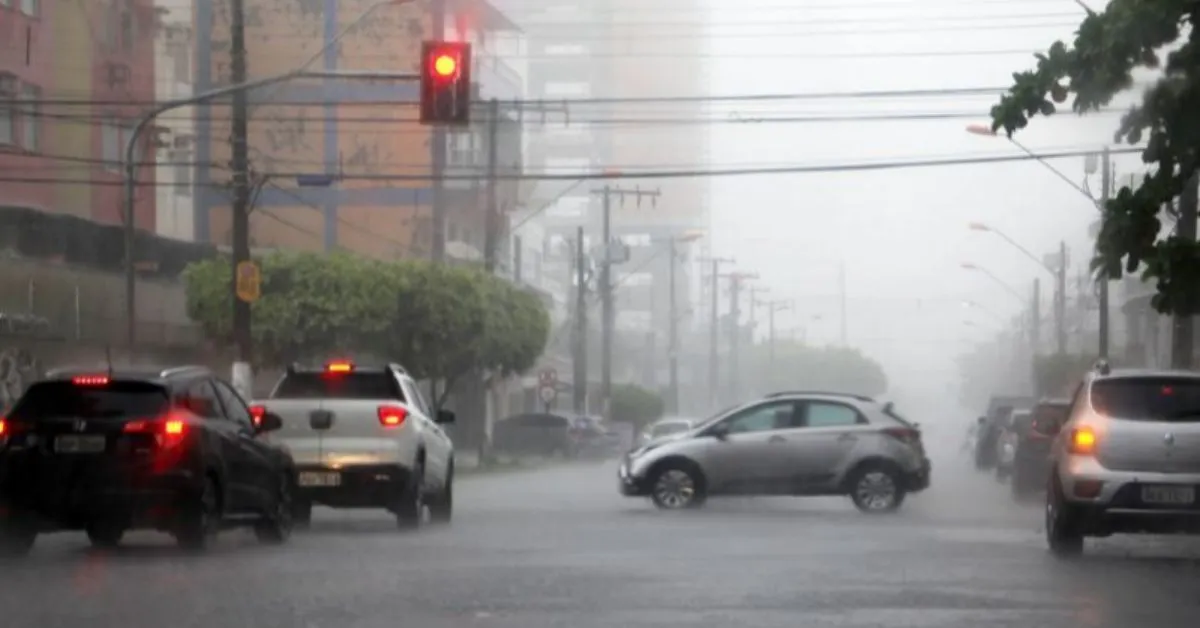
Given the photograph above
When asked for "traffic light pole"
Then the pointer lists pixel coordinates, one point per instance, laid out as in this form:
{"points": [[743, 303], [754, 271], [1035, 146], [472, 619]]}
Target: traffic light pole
{"points": [[1102, 297], [580, 376], [242, 376], [437, 157], [492, 219]]}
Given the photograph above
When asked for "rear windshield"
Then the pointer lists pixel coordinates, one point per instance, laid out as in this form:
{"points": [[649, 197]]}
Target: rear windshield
{"points": [[116, 400], [378, 385], [1022, 421], [1169, 399]]}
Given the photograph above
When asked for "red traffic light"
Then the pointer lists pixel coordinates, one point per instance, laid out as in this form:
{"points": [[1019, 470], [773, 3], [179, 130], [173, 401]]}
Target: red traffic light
{"points": [[446, 87], [445, 65]]}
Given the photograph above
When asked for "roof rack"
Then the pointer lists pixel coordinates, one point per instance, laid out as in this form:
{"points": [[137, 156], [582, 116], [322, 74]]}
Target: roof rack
{"points": [[785, 393]]}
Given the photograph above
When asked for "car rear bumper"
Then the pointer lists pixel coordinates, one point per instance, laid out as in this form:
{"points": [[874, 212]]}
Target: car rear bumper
{"points": [[149, 501], [919, 480], [1122, 502], [358, 486]]}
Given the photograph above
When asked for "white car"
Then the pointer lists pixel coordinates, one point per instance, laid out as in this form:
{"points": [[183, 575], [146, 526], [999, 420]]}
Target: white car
{"points": [[363, 437], [665, 427]]}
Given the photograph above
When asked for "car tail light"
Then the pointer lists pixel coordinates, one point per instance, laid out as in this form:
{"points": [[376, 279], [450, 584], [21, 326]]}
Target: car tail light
{"points": [[392, 416], [3, 427], [257, 413], [904, 434], [90, 380], [1083, 441], [167, 432]]}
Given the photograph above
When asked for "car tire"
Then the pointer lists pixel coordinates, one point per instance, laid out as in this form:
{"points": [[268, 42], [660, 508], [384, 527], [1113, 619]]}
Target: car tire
{"points": [[200, 524], [276, 526], [876, 489], [410, 510], [105, 535], [1063, 536], [16, 539], [677, 486], [441, 508]]}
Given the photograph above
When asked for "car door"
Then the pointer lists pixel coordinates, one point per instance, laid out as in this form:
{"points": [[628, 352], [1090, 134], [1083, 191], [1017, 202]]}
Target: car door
{"points": [[753, 457], [257, 456], [200, 397], [822, 443], [437, 442]]}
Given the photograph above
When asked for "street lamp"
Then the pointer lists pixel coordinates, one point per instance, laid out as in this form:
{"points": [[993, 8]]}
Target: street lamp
{"points": [[986, 131], [990, 275], [979, 226]]}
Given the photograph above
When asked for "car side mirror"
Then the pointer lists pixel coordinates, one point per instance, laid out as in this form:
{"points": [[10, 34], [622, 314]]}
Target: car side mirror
{"points": [[444, 417], [270, 422], [719, 431]]}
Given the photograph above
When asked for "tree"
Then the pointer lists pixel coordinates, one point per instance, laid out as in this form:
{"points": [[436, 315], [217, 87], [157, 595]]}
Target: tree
{"points": [[1057, 375], [1108, 47], [636, 405], [441, 322], [798, 366]]}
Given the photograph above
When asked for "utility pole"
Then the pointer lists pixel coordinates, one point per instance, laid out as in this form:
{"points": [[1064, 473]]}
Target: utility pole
{"points": [[735, 332], [1102, 297], [1183, 336], [1060, 300], [673, 333], [1035, 315], [608, 311], [242, 374], [437, 157], [492, 219], [842, 295], [714, 339], [579, 353]]}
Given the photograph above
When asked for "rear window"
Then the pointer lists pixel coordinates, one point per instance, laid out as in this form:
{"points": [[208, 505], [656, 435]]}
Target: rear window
{"points": [[378, 385], [1022, 421], [1050, 415], [1169, 399], [116, 400]]}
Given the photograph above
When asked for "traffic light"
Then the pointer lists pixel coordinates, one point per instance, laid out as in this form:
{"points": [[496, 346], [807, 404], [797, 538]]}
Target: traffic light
{"points": [[445, 82]]}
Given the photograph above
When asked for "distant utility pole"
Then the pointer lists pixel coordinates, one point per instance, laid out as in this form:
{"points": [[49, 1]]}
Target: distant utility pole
{"points": [[673, 331], [240, 164], [438, 137], [1183, 336], [579, 350], [491, 233], [1060, 300], [1102, 297], [735, 332], [608, 312], [772, 307], [1035, 314], [842, 298], [714, 339]]}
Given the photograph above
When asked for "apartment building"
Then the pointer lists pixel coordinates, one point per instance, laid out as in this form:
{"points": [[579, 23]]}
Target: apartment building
{"points": [[174, 49], [80, 73], [315, 144]]}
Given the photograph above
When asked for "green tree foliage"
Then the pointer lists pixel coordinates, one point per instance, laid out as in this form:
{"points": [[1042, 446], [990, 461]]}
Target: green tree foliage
{"points": [[634, 404], [802, 367], [439, 321], [1108, 47]]}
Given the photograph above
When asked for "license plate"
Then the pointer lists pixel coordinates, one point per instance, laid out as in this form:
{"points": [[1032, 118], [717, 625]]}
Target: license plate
{"points": [[317, 478], [79, 444], [1169, 495]]}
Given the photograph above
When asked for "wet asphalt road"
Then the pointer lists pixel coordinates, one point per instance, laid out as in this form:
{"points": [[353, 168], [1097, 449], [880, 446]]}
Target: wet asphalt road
{"points": [[558, 547]]}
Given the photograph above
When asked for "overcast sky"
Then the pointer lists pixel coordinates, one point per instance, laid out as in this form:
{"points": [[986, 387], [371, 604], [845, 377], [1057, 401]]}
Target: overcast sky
{"points": [[902, 233]]}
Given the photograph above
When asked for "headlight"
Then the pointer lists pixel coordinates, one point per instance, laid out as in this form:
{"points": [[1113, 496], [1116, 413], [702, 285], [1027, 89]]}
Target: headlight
{"points": [[641, 451]]}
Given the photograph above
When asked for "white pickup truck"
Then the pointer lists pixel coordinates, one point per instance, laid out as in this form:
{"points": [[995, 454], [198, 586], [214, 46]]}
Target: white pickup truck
{"points": [[363, 437]]}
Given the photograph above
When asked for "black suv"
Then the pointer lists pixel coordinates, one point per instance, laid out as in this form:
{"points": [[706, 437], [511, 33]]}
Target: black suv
{"points": [[105, 452]]}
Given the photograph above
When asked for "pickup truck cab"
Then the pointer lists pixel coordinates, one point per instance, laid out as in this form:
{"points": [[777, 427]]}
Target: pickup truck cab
{"points": [[363, 437]]}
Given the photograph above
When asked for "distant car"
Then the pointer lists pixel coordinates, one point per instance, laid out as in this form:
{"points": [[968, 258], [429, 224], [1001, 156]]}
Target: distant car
{"points": [[1127, 458], [665, 427], [364, 437], [593, 439], [537, 434], [1000, 408], [1031, 452], [106, 452], [802, 444], [1008, 433]]}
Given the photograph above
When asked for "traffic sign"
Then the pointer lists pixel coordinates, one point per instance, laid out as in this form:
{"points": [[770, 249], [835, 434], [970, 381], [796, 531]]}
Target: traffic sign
{"points": [[249, 282], [548, 377], [547, 394]]}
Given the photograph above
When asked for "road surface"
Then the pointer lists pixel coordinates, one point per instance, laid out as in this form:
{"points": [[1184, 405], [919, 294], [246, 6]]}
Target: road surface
{"points": [[558, 548]]}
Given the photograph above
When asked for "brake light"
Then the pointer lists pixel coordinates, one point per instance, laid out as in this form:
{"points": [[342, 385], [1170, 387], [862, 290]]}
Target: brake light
{"points": [[905, 434], [3, 427], [1083, 441], [339, 367], [167, 432], [257, 413], [90, 380], [392, 416]]}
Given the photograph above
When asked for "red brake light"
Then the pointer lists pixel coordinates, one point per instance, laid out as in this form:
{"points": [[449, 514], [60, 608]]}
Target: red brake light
{"points": [[166, 431], [906, 434], [339, 367], [256, 414], [3, 426], [90, 380], [392, 416]]}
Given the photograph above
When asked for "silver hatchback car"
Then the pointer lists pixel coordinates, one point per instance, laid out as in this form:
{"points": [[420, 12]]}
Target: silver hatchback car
{"points": [[795, 443], [1126, 459]]}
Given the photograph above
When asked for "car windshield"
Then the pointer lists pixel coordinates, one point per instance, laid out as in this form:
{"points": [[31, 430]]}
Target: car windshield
{"points": [[115, 400], [362, 385], [1168, 399]]}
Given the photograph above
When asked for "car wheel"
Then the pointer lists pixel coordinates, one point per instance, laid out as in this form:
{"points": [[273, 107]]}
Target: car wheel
{"points": [[441, 509], [1063, 535], [411, 510], [677, 486], [16, 539], [301, 513], [105, 535], [876, 489], [276, 526], [201, 521]]}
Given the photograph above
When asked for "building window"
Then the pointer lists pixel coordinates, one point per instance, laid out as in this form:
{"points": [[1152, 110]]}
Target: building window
{"points": [[8, 121], [181, 164], [463, 149], [110, 145], [29, 7], [30, 114]]}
